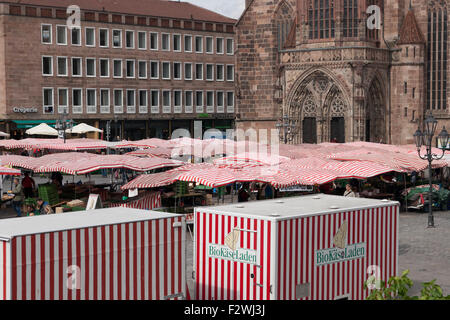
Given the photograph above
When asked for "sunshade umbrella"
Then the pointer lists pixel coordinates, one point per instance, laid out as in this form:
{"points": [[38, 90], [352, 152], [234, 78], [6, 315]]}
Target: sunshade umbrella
{"points": [[83, 128], [3, 134], [42, 129]]}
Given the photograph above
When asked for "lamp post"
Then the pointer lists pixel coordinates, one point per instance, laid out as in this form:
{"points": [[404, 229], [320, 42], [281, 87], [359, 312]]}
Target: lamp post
{"points": [[286, 128], [426, 138], [62, 125]]}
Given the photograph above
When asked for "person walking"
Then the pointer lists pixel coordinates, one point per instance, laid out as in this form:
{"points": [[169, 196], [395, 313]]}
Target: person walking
{"points": [[349, 191], [18, 197], [28, 185]]}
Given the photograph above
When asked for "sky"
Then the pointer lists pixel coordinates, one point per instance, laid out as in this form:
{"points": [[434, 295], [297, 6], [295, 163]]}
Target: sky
{"points": [[229, 8]]}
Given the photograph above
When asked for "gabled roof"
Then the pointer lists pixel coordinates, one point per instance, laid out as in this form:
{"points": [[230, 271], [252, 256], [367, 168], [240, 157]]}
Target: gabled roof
{"points": [[410, 32], [155, 8]]}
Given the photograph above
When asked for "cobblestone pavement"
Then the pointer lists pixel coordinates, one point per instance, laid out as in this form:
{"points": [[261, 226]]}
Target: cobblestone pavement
{"points": [[425, 252]]}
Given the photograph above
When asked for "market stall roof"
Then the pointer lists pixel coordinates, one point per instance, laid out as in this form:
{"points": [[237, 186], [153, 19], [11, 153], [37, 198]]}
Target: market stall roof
{"points": [[42, 129], [56, 144], [5, 171]]}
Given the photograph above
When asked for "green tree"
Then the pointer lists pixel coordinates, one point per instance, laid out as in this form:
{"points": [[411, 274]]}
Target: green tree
{"points": [[398, 287]]}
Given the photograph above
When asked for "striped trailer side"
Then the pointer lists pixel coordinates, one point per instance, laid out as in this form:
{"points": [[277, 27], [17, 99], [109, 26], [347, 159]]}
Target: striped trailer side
{"points": [[299, 240], [223, 279], [142, 260], [5, 270]]}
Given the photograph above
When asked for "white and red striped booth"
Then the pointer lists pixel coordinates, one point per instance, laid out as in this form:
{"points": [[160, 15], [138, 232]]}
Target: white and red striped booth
{"points": [[316, 247], [104, 254]]}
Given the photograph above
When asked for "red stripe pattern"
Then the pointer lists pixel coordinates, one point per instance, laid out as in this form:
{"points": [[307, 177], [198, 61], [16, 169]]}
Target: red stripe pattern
{"points": [[95, 263]]}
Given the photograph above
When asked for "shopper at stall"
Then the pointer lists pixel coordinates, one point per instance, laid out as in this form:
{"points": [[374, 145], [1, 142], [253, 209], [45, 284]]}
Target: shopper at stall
{"points": [[43, 207], [243, 193], [349, 191], [18, 197], [28, 185]]}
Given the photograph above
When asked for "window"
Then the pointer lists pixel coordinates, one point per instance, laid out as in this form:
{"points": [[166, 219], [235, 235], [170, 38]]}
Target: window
{"points": [[437, 55], [130, 68], [230, 46], [177, 101], [413, 92], [321, 19], [405, 87], [188, 97], [219, 72], [176, 42], [230, 72], [129, 39], [104, 101], [220, 102], [142, 40], [91, 101], [187, 43], [47, 100], [165, 41], [117, 65], [142, 69], [198, 71], [210, 102], [199, 102], [104, 38], [230, 102], [166, 103], [77, 98], [90, 37], [143, 103], [47, 66], [349, 21], [117, 38], [131, 101], [90, 67], [154, 69], [153, 41], [154, 97], [62, 66], [177, 70], [118, 101], [210, 72], [46, 33], [104, 68], [63, 100], [209, 45], [166, 70], [188, 71], [76, 36], [61, 35], [198, 44], [219, 45], [76, 67]]}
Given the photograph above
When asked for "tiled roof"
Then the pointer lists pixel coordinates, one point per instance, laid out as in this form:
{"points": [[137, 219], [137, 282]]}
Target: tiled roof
{"points": [[410, 32], [156, 8]]}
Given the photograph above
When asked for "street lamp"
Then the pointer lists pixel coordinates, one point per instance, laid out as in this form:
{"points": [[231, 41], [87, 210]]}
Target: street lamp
{"points": [[426, 139], [286, 128], [62, 125]]}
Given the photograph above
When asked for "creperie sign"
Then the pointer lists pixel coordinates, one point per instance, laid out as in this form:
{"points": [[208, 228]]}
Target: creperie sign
{"points": [[25, 110]]}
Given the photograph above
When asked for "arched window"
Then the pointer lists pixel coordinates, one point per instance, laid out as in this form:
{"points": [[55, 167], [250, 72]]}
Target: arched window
{"points": [[321, 19], [284, 18], [437, 56]]}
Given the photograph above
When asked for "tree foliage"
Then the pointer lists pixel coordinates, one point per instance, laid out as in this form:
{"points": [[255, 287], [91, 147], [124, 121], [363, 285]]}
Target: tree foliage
{"points": [[398, 287]]}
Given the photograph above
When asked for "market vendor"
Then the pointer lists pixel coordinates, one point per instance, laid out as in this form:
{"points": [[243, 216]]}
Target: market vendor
{"points": [[18, 197]]}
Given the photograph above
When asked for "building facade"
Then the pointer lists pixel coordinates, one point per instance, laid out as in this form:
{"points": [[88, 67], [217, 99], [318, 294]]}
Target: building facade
{"points": [[336, 74], [146, 67]]}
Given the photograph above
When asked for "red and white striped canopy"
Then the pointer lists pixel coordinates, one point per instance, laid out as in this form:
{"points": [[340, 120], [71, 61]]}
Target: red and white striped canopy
{"points": [[5, 171], [55, 144]]}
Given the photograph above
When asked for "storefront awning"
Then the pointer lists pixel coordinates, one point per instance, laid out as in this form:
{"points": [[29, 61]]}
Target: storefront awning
{"points": [[27, 124]]}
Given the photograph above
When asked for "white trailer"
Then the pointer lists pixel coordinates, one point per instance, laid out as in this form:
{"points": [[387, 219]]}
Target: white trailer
{"points": [[317, 247]]}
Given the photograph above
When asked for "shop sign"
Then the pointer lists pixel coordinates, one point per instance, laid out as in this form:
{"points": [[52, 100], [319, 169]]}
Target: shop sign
{"points": [[230, 250], [25, 110], [342, 251]]}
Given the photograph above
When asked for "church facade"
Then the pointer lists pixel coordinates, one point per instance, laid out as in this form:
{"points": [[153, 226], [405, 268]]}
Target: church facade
{"points": [[339, 71]]}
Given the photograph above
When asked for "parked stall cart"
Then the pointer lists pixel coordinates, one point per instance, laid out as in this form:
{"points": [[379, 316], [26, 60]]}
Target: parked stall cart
{"points": [[104, 254], [316, 247]]}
